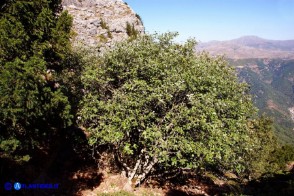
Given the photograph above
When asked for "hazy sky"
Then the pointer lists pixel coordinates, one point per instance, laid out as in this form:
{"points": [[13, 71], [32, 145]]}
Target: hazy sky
{"points": [[208, 20]]}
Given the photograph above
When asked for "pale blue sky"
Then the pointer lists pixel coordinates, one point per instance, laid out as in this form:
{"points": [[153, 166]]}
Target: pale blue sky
{"points": [[208, 20]]}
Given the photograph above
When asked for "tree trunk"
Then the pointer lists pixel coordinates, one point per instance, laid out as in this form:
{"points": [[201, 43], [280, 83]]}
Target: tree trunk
{"points": [[131, 176], [142, 168], [146, 171]]}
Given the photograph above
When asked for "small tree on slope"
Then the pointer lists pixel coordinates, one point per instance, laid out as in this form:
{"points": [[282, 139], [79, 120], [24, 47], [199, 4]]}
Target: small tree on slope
{"points": [[158, 104], [34, 41]]}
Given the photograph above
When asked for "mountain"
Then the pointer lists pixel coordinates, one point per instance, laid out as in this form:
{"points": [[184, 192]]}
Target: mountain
{"points": [[250, 47], [102, 22], [272, 86], [268, 67]]}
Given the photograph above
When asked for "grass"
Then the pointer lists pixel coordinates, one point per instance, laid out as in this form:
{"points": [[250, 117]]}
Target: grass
{"points": [[120, 193]]}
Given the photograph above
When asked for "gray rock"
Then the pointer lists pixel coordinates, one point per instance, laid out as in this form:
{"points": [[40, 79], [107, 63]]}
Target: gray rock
{"points": [[87, 22], [95, 22], [93, 32]]}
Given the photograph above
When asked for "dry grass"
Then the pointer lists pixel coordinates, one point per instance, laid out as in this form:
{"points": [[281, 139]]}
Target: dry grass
{"points": [[114, 184]]}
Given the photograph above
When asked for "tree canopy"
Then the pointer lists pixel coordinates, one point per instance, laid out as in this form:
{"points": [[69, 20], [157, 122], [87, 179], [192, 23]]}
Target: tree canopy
{"points": [[34, 41], [158, 104]]}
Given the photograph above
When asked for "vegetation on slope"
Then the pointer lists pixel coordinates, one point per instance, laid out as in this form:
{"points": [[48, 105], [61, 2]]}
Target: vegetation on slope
{"points": [[152, 103], [161, 107], [34, 106], [271, 85]]}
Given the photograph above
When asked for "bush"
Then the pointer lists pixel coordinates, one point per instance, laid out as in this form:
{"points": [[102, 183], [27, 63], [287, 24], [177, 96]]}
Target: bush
{"points": [[131, 31], [102, 38], [103, 24], [262, 160], [34, 42], [139, 18], [157, 104], [109, 34]]}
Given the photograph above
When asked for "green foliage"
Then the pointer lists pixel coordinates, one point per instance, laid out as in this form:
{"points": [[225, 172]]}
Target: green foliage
{"points": [[9, 145], [139, 18], [131, 31], [34, 42], [272, 91], [269, 157], [157, 103], [102, 38], [103, 24], [109, 35], [283, 155], [261, 159]]}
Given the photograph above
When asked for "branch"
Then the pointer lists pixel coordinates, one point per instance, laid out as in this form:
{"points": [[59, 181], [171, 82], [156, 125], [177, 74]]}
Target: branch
{"points": [[142, 177], [146, 162], [137, 165], [3, 5], [135, 169], [122, 164]]}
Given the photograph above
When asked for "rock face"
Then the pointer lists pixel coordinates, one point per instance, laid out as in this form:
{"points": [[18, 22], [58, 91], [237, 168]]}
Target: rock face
{"points": [[102, 22], [292, 113]]}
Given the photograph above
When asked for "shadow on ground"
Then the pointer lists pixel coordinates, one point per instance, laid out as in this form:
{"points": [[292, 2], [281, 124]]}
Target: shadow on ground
{"points": [[279, 184], [69, 164]]}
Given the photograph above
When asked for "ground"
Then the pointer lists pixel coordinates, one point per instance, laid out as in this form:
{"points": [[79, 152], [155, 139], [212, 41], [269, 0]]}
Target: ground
{"points": [[80, 172]]}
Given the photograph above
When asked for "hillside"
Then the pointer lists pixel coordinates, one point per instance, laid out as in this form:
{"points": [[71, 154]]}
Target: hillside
{"points": [[145, 117], [271, 83], [250, 47], [268, 67]]}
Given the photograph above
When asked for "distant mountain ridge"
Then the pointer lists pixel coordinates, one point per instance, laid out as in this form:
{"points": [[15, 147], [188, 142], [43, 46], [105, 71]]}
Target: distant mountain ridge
{"points": [[268, 67], [257, 42], [250, 47]]}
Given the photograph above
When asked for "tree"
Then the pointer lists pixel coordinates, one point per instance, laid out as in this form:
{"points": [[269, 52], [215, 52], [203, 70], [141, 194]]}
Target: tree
{"points": [[262, 159], [34, 43], [284, 157], [158, 104]]}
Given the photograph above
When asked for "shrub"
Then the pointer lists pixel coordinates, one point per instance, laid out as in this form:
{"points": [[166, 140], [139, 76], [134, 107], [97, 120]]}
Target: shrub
{"points": [[156, 103], [34, 42], [262, 160], [109, 34], [139, 18], [103, 24], [131, 31], [102, 38]]}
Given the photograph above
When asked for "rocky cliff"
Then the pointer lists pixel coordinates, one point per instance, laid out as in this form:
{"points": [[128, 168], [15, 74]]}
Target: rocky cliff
{"points": [[102, 22]]}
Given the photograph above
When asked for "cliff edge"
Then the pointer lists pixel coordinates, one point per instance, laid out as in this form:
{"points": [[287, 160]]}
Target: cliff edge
{"points": [[102, 22]]}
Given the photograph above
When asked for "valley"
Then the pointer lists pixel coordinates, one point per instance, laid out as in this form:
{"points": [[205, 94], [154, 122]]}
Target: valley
{"points": [[92, 104], [268, 67]]}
